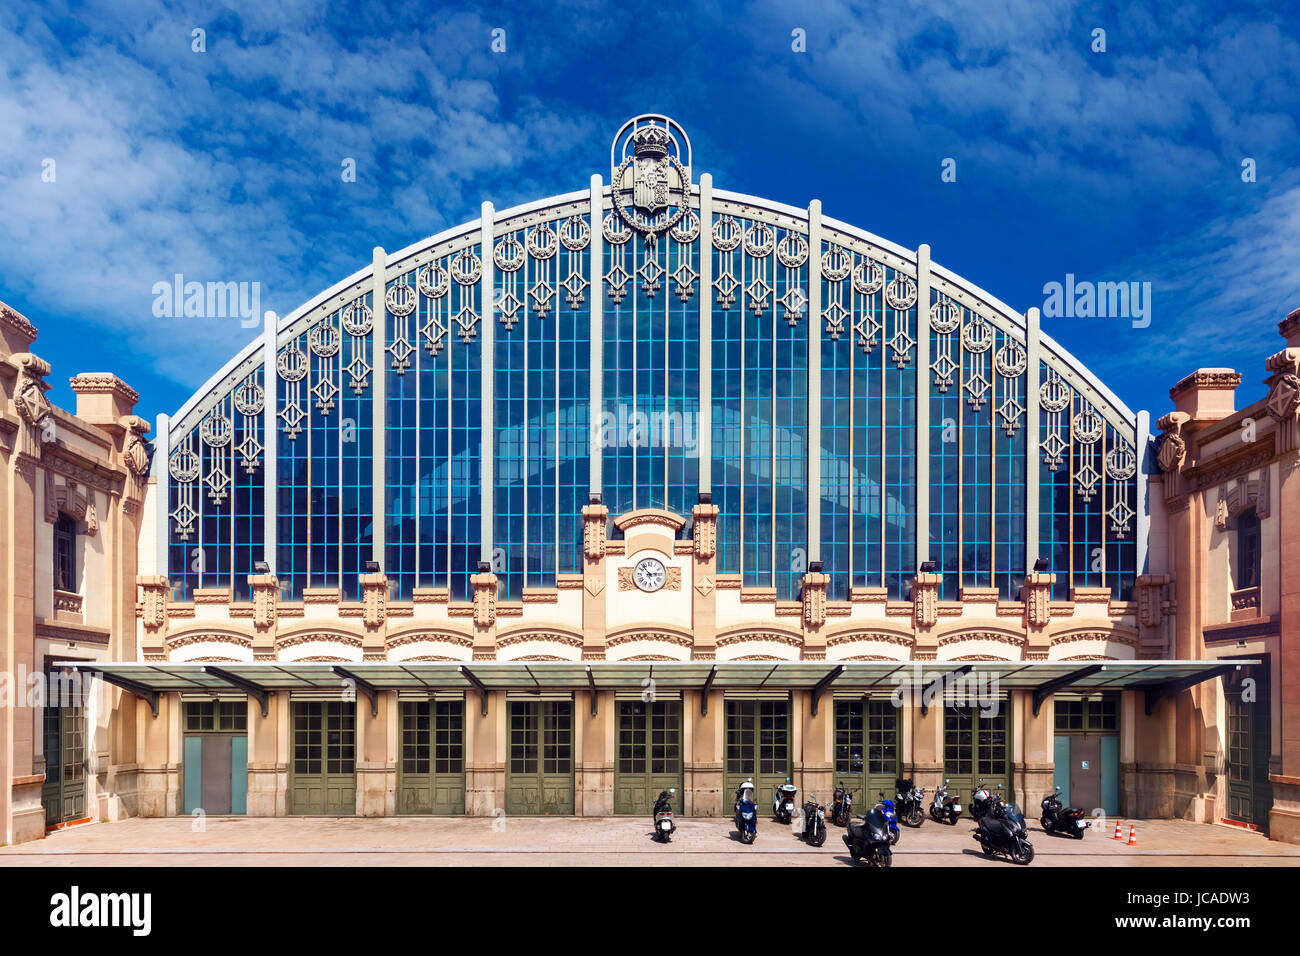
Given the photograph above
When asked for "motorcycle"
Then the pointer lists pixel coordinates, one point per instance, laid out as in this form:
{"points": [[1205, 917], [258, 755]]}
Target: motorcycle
{"points": [[980, 801], [663, 816], [944, 809], [891, 817], [842, 807], [1062, 819], [783, 802], [868, 838], [1002, 830], [746, 812], [814, 821], [910, 803]]}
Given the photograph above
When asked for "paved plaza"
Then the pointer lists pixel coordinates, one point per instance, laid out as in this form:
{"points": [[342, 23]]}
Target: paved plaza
{"points": [[602, 841]]}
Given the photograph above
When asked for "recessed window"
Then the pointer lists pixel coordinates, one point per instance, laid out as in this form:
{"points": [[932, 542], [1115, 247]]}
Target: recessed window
{"points": [[65, 554], [1247, 571]]}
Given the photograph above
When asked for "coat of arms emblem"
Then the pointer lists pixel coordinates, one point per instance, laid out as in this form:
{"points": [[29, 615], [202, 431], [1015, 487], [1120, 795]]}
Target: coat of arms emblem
{"points": [[651, 176]]}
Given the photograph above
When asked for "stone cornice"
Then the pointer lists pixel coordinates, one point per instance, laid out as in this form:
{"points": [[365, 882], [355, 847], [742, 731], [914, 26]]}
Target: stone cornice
{"points": [[1213, 378], [103, 383], [16, 322]]}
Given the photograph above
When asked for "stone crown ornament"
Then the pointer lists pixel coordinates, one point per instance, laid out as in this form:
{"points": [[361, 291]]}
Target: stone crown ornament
{"points": [[650, 180]]}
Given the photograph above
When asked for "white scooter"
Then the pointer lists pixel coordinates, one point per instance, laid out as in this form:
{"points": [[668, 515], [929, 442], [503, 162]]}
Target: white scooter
{"points": [[663, 816], [783, 807]]}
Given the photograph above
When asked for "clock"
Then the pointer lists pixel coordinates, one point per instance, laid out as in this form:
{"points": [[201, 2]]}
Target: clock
{"points": [[649, 574]]}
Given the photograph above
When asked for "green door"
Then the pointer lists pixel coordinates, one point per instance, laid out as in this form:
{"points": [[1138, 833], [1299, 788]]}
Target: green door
{"points": [[323, 775], [866, 749], [64, 791], [977, 748], [649, 754], [214, 772], [1249, 727], [431, 775], [539, 773], [758, 746]]}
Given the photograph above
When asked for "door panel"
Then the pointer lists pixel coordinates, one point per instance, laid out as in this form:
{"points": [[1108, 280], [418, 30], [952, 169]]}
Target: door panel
{"points": [[976, 748], [649, 755], [322, 779], [215, 786], [64, 790], [758, 746], [431, 772], [1249, 744], [539, 765], [866, 750], [1085, 749]]}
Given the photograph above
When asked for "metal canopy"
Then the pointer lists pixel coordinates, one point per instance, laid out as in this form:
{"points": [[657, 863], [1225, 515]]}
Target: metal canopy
{"points": [[1158, 678]]}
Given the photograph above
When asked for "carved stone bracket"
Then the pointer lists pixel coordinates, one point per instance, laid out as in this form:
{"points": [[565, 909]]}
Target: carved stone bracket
{"points": [[374, 599], [266, 601], [925, 598], [1242, 494], [1037, 595], [594, 519], [1150, 598], [485, 597], [1283, 402], [29, 399], [814, 599], [706, 531]]}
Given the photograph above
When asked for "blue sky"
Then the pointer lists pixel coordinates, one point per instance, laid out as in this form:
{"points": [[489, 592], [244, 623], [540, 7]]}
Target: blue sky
{"points": [[225, 165]]}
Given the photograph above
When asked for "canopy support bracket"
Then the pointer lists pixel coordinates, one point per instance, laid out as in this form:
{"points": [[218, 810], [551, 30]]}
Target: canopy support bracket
{"points": [[470, 676], [1045, 690], [823, 684], [255, 691], [704, 694], [937, 685], [361, 685]]}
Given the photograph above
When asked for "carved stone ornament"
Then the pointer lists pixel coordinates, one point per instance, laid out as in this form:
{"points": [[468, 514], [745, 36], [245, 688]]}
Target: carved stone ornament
{"points": [[593, 531], [1173, 449], [29, 392], [155, 594], [705, 531], [814, 599], [1283, 401], [485, 598], [1150, 590], [1242, 494], [266, 600], [1038, 598], [374, 599], [925, 598], [135, 451]]}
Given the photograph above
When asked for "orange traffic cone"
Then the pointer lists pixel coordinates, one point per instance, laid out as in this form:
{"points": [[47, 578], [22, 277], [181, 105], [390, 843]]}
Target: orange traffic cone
{"points": [[1119, 834], [1132, 835]]}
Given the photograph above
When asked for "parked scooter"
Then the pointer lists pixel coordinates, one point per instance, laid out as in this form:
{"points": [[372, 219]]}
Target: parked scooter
{"points": [[783, 802], [746, 812], [944, 808], [1002, 830], [886, 807], [663, 816], [814, 821], [980, 801], [910, 803], [868, 839], [842, 807], [1062, 819]]}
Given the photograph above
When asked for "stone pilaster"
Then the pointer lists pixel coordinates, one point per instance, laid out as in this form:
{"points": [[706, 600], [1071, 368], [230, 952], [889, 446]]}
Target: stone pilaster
{"points": [[813, 594], [374, 602], [485, 613], [266, 604], [925, 599], [704, 590], [155, 597], [594, 519]]}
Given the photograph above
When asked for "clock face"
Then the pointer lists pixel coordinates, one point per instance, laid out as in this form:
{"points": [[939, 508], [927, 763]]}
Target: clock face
{"points": [[649, 574]]}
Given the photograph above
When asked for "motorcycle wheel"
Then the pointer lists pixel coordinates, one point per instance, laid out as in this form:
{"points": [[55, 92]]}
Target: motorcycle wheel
{"points": [[748, 836], [914, 817], [855, 853], [883, 857], [936, 815], [1047, 827], [1023, 855], [818, 838], [1079, 832], [893, 837]]}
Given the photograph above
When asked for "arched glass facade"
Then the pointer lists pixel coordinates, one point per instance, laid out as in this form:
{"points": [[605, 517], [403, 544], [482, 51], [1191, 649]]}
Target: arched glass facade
{"points": [[839, 398]]}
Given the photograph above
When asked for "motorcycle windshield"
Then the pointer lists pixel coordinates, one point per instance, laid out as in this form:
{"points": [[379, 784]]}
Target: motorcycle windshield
{"points": [[1012, 813], [877, 829]]}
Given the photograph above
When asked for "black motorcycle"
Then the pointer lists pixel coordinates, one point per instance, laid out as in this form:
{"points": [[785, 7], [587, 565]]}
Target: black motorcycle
{"points": [[842, 807], [911, 812], [814, 822], [663, 816], [868, 839], [1062, 819], [1002, 831]]}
